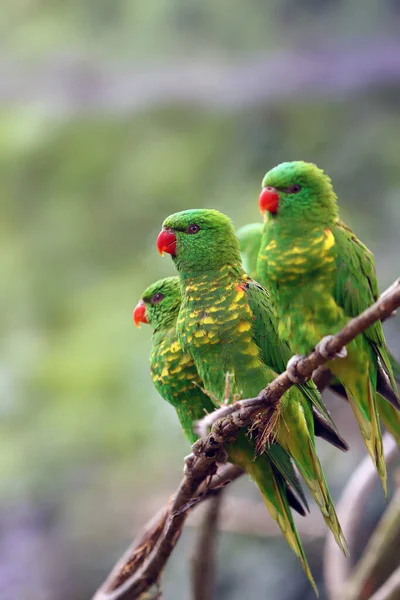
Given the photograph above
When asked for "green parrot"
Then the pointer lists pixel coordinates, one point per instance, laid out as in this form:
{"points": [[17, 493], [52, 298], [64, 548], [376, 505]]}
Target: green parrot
{"points": [[249, 237], [226, 324], [177, 381], [319, 276]]}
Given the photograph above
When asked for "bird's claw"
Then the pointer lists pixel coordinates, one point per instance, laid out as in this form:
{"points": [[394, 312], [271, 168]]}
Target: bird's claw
{"points": [[292, 371], [322, 349]]}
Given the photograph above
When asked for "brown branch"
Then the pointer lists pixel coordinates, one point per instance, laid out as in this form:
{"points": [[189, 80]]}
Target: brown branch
{"points": [[204, 556], [349, 510], [380, 557], [390, 589], [149, 552], [142, 565]]}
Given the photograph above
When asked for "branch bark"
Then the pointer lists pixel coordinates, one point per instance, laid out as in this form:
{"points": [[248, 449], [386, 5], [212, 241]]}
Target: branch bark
{"points": [[380, 557], [390, 589], [204, 556], [142, 565], [349, 510]]}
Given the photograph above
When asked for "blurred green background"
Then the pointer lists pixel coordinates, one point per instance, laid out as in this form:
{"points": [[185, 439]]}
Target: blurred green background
{"points": [[113, 114]]}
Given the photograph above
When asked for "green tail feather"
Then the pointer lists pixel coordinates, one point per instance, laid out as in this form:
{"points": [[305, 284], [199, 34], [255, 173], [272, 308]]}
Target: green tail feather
{"points": [[305, 456], [390, 417], [273, 489], [368, 422]]}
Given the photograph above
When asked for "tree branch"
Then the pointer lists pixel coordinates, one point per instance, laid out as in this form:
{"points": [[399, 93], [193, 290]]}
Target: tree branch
{"points": [[143, 563], [152, 547], [380, 557], [204, 556], [390, 589], [349, 510]]}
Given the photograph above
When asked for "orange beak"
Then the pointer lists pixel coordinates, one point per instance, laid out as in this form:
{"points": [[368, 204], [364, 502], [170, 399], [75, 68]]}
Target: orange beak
{"points": [[268, 200], [166, 242], [139, 314]]}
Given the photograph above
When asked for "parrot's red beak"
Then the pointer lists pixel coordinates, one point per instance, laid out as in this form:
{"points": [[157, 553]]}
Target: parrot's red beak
{"points": [[268, 200], [139, 314], [166, 241]]}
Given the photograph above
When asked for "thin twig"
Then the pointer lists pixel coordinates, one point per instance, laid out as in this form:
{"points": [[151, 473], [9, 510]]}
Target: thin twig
{"points": [[132, 577], [349, 509], [204, 556], [380, 558]]}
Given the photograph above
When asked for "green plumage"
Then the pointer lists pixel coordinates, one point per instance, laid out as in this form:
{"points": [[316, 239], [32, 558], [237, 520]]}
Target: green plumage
{"points": [[176, 379], [319, 274], [227, 326], [250, 237]]}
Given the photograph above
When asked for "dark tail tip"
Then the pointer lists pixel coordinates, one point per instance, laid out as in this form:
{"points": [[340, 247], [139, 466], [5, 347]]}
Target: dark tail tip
{"points": [[325, 431]]}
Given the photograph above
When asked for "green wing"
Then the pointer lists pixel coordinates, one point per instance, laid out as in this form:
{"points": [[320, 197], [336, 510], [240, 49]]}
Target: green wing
{"points": [[356, 288], [275, 352], [283, 464]]}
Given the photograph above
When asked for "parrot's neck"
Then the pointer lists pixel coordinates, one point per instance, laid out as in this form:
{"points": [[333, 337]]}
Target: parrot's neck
{"points": [[298, 258], [222, 277]]}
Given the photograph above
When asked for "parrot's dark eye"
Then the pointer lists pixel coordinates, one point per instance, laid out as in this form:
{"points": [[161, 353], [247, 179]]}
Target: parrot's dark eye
{"points": [[157, 298], [193, 228], [293, 189]]}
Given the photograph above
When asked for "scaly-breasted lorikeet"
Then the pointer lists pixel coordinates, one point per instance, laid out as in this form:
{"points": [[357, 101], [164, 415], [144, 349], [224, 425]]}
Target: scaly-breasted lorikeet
{"points": [[250, 241], [177, 381], [227, 326], [319, 275]]}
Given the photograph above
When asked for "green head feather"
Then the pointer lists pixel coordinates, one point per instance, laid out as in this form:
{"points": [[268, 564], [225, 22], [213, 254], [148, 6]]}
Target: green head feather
{"points": [[205, 240], [305, 193], [163, 301]]}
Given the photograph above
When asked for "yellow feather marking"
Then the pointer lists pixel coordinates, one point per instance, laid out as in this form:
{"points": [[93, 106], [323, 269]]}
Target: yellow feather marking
{"points": [[244, 326], [199, 334], [175, 347], [271, 245], [329, 240], [164, 372], [317, 240], [298, 260], [213, 309], [296, 250], [239, 295], [252, 350], [208, 321]]}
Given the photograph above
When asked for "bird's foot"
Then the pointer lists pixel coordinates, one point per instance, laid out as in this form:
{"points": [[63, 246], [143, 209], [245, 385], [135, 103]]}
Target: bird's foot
{"points": [[292, 369], [322, 348]]}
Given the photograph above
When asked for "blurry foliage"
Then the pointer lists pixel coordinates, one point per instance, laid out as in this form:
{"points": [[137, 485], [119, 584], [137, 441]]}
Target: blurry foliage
{"points": [[82, 433]]}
